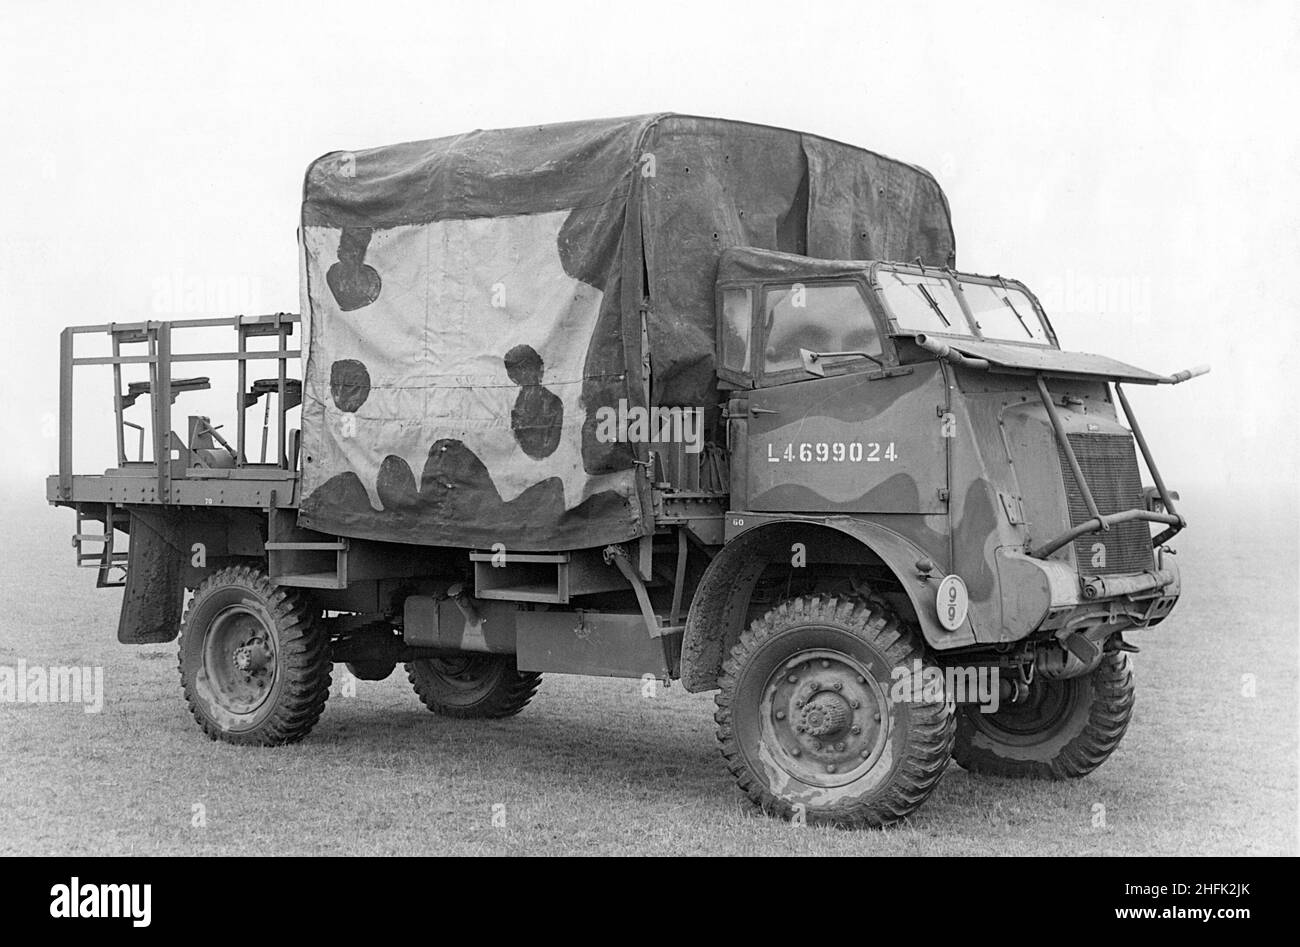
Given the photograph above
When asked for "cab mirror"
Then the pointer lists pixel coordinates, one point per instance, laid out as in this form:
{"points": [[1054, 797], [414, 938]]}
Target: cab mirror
{"points": [[812, 363]]}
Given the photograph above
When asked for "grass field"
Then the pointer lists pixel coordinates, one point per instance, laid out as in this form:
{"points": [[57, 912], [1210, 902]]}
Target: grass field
{"points": [[595, 767]]}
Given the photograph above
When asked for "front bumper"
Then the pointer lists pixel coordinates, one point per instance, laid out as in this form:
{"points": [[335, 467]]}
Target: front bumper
{"points": [[1048, 595]]}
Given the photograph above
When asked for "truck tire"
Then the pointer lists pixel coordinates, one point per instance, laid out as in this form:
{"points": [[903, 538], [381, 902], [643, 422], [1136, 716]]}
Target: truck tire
{"points": [[255, 666], [473, 685], [808, 722], [1064, 729]]}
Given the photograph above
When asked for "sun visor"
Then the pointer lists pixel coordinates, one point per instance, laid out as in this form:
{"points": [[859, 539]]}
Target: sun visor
{"points": [[1027, 358]]}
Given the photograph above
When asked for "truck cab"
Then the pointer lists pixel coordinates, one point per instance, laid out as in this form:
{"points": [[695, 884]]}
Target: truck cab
{"points": [[939, 406], [924, 487]]}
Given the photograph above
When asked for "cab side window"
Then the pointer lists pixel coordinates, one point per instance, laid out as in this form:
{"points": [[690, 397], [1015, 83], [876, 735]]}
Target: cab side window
{"points": [[818, 317], [734, 332]]}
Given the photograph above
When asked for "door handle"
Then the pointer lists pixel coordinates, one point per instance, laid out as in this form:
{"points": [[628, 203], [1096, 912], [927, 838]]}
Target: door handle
{"points": [[758, 411]]}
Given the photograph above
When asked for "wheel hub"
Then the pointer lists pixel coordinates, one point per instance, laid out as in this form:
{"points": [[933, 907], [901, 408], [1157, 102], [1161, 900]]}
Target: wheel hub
{"points": [[827, 717], [252, 656]]}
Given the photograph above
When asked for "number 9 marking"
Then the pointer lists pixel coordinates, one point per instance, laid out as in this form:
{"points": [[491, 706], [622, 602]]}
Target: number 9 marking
{"points": [[952, 602]]}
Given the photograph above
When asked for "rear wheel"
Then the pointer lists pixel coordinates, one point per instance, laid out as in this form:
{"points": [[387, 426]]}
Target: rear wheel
{"points": [[809, 723], [1062, 729], [255, 666], [473, 685]]}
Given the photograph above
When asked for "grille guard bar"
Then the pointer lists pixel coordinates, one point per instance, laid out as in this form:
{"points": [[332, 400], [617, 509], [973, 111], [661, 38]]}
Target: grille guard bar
{"points": [[1100, 522]]}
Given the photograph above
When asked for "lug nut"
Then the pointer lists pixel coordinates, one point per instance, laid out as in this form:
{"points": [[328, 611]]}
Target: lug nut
{"points": [[855, 729], [830, 767], [780, 715], [796, 752], [855, 704], [839, 747], [861, 679], [793, 679], [817, 744], [825, 663], [876, 717], [838, 686]]}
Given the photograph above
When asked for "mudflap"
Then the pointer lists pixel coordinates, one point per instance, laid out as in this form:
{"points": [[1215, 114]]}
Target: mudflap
{"points": [[154, 593]]}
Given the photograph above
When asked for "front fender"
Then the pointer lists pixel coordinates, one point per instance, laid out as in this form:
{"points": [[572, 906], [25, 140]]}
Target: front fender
{"points": [[721, 602], [902, 555]]}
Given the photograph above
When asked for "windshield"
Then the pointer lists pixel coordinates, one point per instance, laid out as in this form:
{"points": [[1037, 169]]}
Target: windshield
{"points": [[926, 303], [822, 317], [1005, 313]]}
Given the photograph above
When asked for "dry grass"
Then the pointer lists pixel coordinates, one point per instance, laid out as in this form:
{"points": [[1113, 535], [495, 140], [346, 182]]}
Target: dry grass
{"points": [[593, 767]]}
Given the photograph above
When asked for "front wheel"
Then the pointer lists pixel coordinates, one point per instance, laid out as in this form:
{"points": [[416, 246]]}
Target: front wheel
{"points": [[812, 725], [1062, 729]]}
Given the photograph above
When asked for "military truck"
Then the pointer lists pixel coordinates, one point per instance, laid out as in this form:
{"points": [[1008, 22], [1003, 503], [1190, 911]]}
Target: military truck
{"points": [[655, 397]]}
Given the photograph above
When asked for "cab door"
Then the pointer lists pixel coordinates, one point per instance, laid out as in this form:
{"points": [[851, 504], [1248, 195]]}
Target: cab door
{"points": [[864, 442], [865, 439]]}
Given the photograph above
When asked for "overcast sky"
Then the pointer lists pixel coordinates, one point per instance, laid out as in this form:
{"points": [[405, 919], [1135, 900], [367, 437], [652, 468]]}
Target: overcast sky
{"points": [[1134, 163]]}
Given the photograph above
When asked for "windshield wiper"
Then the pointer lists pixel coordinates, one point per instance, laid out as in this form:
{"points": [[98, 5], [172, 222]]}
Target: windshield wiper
{"points": [[934, 305], [1023, 324]]}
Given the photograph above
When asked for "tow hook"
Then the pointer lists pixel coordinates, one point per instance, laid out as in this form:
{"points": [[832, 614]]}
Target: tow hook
{"points": [[1015, 689]]}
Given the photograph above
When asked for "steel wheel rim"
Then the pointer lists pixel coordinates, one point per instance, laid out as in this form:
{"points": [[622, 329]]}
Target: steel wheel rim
{"points": [[240, 660], [466, 676], [1027, 722], [824, 718]]}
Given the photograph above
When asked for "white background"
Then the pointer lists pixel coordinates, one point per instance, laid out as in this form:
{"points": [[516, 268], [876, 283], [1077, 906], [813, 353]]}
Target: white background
{"points": [[1140, 158]]}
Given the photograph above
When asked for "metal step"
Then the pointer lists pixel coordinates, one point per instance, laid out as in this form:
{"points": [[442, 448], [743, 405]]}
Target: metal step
{"points": [[318, 577], [550, 577], [106, 559], [314, 580]]}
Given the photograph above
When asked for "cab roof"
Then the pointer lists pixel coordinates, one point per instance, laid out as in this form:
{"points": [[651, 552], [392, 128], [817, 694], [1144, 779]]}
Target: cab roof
{"points": [[751, 264]]}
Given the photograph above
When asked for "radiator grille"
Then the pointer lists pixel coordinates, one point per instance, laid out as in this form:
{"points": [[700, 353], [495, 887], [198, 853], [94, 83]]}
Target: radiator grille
{"points": [[1109, 465]]}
